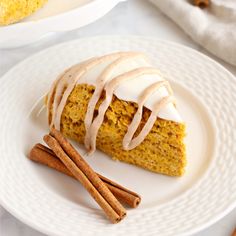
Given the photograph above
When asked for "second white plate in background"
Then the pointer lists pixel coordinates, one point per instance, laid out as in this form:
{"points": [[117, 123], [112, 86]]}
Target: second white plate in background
{"points": [[55, 16]]}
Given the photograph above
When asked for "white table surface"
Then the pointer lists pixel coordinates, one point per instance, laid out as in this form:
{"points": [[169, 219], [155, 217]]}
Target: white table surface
{"points": [[138, 17]]}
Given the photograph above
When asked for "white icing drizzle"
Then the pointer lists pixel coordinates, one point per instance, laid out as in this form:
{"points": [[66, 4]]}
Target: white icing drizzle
{"points": [[100, 83], [110, 73], [109, 90], [69, 78], [51, 96], [128, 143], [150, 122], [66, 79]]}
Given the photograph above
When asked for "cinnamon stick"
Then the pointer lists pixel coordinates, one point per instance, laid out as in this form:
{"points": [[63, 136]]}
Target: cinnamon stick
{"points": [[125, 195], [41, 154], [92, 176], [202, 3], [234, 233], [84, 173]]}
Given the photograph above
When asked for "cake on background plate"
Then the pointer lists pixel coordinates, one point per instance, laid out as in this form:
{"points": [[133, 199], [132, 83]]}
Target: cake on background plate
{"points": [[123, 106], [12, 11]]}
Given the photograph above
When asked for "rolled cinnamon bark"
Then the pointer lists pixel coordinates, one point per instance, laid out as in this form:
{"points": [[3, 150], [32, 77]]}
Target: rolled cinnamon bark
{"points": [[123, 194], [43, 155], [84, 173], [202, 3], [234, 233]]}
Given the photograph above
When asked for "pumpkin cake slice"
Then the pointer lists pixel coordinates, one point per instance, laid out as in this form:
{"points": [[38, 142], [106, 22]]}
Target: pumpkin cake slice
{"points": [[12, 11], [123, 106]]}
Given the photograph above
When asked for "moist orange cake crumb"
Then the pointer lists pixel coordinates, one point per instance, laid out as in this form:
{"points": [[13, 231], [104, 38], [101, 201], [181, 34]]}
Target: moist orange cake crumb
{"points": [[162, 151]]}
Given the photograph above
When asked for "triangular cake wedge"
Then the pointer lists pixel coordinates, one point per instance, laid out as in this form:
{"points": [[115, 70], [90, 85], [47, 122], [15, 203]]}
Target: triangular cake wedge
{"points": [[123, 106]]}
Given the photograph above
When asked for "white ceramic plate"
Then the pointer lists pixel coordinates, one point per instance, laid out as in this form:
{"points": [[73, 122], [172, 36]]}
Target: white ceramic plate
{"points": [[57, 205], [55, 16]]}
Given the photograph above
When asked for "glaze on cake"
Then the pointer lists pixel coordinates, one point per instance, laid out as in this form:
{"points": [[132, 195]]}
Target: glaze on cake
{"points": [[122, 105]]}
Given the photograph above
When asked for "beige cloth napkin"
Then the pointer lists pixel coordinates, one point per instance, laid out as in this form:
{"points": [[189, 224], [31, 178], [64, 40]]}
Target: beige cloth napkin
{"points": [[213, 27]]}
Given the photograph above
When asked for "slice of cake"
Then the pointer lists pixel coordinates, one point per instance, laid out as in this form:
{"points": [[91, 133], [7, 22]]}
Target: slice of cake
{"points": [[121, 105], [12, 11]]}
